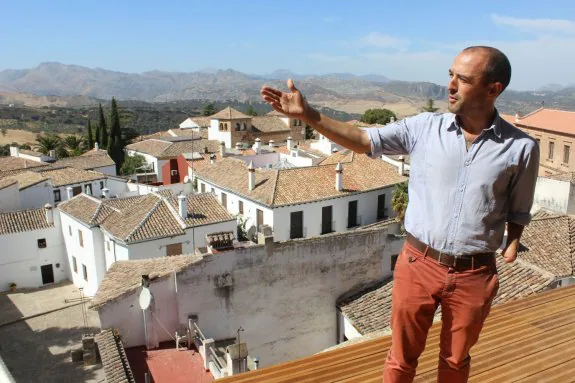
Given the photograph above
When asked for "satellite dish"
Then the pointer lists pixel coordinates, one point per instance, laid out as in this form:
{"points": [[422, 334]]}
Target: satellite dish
{"points": [[186, 179], [145, 298]]}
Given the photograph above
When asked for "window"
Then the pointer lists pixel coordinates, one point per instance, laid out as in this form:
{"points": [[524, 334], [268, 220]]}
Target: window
{"points": [[88, 189], [203, 188], [80, 238], [296, 225], [42, 243], [221, 126], [225, 200], [101, 185], [352, 214], [566, 150], [74, 264], [381, 210], [174, 172], [241, 207], [57, 196], [551, 150], [538, 141], [394, 261], [326, 219], [70, 230], [245, 126], [85, 271], [76, 190], [238, 127], [259, 219], [213, 190], [174, 249]]}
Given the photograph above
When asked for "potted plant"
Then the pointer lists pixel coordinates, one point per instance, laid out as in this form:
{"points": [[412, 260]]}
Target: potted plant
{"points": [[13, 286]]}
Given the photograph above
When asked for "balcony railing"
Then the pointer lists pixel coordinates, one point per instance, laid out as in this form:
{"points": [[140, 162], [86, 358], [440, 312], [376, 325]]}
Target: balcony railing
{"points": [[326, 229], [351, 224]]}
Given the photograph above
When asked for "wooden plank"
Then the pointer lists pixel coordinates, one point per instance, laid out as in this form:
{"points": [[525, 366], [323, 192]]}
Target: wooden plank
{"points": [[557, 372]]}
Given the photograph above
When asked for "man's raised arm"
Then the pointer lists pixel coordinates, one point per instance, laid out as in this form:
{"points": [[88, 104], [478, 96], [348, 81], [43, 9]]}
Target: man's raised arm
{"points": [[294, 105]]}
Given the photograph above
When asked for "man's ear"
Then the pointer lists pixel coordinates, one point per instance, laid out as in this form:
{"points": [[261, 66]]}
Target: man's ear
{"points": [[495, 89]]}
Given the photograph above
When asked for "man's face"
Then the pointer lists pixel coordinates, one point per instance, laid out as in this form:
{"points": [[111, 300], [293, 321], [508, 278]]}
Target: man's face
{"points": [[468, 92]]}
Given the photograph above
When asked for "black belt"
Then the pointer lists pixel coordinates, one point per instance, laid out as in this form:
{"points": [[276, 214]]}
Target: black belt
{"points": [[462, 262]]}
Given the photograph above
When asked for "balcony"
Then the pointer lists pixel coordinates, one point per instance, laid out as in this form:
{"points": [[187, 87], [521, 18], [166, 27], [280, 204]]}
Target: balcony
{"points": [[326, 229], [527, 340]]}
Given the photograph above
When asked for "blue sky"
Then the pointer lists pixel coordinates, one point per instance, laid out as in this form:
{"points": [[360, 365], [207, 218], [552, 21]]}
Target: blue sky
{"points": [[409, 40]]}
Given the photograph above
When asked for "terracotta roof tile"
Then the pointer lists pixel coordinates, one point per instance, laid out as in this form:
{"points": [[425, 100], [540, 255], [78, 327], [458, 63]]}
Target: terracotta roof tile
{"points": [[203, 209], [153, 147], [13, 163], [88, 161], [85, 208], [124, 277], [269, 124], [229, 113], [113, 356], [26, 179], [565, 176], [5, 182], [167, 149], [23, 220], [69, 176], [559, 121]]}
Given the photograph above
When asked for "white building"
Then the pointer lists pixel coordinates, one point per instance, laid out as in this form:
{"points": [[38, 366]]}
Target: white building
{"points": [[99, 232], [33, 253], [68, 182], [9, 195], [302, 202], [282, 294], [34, 189], [95, 159], [556, 193], [31, 155]]}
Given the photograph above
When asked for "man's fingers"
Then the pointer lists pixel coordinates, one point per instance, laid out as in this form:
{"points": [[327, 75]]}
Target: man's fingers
{"points": [[291, 85], [268, 90]]}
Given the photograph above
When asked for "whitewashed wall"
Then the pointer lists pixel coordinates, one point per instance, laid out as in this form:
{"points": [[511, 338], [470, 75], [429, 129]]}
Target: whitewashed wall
{"points": [[324, 145], [300, 161], [151, 161], [96, 189], [555, 195], [10, 198], [108, 170], [37, 196], [214, 133], [260, 160], [21, 258], [91, 254], [285, 300]]}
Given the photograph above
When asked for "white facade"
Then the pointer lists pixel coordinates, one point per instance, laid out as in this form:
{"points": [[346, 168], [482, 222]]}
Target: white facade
{"points": [[153, 163], [10, 198], [300, 160], [24, 254], [214, 133], [93, 188], [109, 170], [278, 218], [36, 196], [85, 249], [325, 145], [555, 195], [285, 299]]}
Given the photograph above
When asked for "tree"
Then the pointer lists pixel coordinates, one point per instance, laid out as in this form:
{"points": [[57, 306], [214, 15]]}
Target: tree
{"points": [[242, 230], [74, 145], [132, 165], [90, 137], [116, 142], [429, 106], [399, 200], [251, 111], [309, 132], [378, 116], [103, 128], [209, 109], [46, 143], [97, 137]]}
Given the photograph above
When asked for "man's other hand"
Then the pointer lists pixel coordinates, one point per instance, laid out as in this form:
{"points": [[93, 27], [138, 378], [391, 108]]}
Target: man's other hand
{"points": [[510, 253], [291, 103]]}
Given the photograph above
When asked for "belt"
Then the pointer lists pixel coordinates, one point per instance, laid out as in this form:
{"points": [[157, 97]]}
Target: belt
{"points": [[462, 262]]}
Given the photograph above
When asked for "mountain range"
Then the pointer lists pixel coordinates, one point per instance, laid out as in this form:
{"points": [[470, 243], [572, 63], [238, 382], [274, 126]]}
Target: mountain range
{"points": [[56, 79]]}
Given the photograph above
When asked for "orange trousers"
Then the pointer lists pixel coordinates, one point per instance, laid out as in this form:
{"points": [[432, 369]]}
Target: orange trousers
{"points": [[420, 284]]}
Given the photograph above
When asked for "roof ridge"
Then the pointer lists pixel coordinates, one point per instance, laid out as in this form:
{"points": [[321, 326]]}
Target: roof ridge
{"points": [[531, 113], [572, 242], [145, 219], [275, 187], [175, 213], [555, 216]]}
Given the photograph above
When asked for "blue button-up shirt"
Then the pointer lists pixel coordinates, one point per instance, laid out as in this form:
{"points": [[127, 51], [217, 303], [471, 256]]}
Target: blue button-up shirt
{"points": [[459, 199]]}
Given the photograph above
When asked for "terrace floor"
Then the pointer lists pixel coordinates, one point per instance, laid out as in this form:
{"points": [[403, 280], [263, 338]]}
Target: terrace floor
{"points": [[528, 340]]}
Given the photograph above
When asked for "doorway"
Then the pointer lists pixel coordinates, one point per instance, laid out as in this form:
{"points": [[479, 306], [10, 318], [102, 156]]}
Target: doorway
{"points": [[47, 274]]}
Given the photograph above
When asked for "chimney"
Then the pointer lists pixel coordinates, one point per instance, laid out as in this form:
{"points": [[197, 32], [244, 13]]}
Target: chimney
{"points": [[272, 143], [258, 146], [252, 176], [96, 146], [105, 192], [516, 117], [52, 153], [289, 143], [49, 213], [212, 159], [222, 149], [14, 151], [339, 177], [182, 206], [70, 192], [401, 166]]}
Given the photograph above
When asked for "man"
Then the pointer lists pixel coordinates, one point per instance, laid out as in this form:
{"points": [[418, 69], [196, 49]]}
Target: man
{"points": [[471, 173]]}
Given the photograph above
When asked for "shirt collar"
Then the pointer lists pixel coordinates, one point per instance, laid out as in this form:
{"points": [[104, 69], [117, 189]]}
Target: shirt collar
{"points": [[495, 125]]}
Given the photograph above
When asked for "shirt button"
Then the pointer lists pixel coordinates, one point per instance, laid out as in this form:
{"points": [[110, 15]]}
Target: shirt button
{"points": [[467, 163], [461, 189]]}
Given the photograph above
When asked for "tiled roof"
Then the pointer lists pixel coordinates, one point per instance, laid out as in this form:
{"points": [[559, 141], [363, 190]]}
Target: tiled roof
{"points": [[276, 113], [69, 176], [23, 220], [269, 124], [203, 209], [13, 163], [113, 356], [559, 121], [87, 161], [549, 243], [86, 209], [370, 309], [26, 179], [565, 176], [229, 113], [190, 133], [124, 277], [5, 182], [201, 121], [279, 187], [165, 149], [508, 117]]}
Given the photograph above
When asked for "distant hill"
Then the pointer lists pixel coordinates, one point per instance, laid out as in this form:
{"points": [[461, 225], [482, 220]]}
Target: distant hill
{"points": [[56, 79]]}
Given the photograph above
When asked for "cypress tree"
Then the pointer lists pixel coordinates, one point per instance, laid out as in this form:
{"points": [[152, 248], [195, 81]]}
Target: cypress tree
{"points": [[90, 136], [97, 137], [103, 129], [116, 143]]}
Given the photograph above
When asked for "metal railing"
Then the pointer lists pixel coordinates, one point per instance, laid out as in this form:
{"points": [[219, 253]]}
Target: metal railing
{"points": [[327, 229], [357, 222]]}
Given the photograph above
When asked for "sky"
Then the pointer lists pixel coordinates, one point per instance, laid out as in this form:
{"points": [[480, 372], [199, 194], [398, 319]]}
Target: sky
{"points": [[403, 40]]}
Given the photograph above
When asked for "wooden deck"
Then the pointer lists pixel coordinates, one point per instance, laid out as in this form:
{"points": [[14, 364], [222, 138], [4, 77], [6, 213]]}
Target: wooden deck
{"points": [[528, 340]]}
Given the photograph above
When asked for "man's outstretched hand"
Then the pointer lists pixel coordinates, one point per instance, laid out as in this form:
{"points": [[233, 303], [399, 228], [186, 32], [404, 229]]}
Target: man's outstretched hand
{"points": [[291, 103]]}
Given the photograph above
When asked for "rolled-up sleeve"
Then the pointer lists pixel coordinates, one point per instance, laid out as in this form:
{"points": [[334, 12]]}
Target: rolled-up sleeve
{"points": [[396, 138], [523, 186]]}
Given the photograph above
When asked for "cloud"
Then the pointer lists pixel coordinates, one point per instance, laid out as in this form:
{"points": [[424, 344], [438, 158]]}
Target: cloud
{"points": [[378, 40], [545, 26]]}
